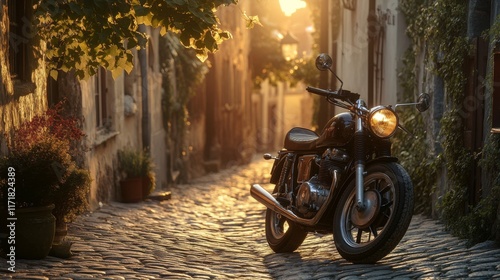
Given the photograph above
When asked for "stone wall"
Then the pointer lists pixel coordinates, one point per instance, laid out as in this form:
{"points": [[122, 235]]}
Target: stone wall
{"points": [[20, 100]]}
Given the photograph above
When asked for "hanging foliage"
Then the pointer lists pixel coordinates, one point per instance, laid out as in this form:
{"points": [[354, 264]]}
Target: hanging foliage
{"points": [[84, 35]]}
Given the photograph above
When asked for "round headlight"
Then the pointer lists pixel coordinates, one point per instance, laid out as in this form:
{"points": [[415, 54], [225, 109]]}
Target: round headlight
{"points": [[383, 121]]}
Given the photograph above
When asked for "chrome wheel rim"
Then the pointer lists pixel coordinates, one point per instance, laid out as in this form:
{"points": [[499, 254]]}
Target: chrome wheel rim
{"points": [[359, 230], [279, 225]]}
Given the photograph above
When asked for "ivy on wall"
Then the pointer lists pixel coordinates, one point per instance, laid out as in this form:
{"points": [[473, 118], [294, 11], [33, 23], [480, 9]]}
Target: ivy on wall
{"points": [[414, 151], [438, 29], [182, 74]]}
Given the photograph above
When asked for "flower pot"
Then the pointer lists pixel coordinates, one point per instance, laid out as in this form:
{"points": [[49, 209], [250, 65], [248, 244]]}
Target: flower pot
{"points": [[35, 229], [131, 190]]}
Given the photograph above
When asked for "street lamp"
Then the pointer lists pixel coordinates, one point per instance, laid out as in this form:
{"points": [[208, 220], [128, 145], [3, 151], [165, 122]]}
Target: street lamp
{"points": [[289, 45]]}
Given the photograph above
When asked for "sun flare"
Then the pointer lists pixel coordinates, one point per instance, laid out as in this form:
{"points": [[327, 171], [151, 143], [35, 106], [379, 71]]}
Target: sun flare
{"points": [[290, 6]]}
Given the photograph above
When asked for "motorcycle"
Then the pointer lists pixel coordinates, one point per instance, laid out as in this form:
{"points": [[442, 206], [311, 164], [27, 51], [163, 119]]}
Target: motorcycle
{"points": [[344, 181]]}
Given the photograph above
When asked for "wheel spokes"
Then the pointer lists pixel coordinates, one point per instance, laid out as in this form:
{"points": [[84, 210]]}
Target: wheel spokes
{"points": [[367, 234], [373, 231], [359, 235]]}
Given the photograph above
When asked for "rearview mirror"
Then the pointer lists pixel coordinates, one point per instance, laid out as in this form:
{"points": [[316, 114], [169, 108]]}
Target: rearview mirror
{"points": [[324, 62], [423, 102]]}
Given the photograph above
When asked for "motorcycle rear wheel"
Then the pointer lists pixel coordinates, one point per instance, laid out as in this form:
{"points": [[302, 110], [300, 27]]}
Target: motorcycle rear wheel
{"points": [[282, 235], [368, 236]]}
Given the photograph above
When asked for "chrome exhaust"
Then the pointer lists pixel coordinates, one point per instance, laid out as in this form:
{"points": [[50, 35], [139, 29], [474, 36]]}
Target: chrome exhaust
{"points": [[262, 196]]}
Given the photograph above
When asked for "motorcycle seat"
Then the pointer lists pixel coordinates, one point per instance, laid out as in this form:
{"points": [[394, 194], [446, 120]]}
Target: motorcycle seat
{"points": [[300, 139]]}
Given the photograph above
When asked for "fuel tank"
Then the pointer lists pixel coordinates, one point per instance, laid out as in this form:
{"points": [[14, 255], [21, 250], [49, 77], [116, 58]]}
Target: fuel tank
{"points": [[339, 131]]}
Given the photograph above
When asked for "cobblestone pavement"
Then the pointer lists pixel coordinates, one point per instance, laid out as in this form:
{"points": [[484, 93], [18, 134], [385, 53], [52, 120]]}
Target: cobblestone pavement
{"points": [[213, 229]]}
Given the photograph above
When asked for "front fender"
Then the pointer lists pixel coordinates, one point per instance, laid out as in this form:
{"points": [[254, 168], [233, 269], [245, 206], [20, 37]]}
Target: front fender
{"points": [[344, 183]]}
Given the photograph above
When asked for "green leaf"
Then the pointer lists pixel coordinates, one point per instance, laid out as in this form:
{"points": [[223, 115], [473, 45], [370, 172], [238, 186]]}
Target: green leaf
{"points": [[185, 39], [131, 43], [226, 35], [202, 55], [116, 72], [251, 21], [210, 42], [54, 73], [141, 11]]}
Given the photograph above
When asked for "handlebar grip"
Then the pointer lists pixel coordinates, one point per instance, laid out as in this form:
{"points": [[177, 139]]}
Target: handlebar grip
{"points": [[344, 95], [319, 91]]}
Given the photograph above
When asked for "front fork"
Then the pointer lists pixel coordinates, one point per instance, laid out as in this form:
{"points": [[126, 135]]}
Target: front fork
{"points": [[359, 153]]}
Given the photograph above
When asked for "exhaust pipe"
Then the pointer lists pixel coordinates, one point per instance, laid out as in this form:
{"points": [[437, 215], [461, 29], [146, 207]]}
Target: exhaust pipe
{"points": [[262, 196]]}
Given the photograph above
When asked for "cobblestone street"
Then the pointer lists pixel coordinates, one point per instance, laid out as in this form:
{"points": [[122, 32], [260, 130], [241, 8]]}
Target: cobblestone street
{"points": [[213, 229]]}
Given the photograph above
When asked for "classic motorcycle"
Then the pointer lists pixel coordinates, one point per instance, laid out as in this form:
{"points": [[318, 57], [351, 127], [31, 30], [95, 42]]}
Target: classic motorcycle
{"points": [[344, 181]]}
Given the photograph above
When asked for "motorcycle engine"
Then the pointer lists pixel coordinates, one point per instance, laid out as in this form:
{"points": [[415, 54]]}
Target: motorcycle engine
{"points": [[310, 197], [313, 193]]}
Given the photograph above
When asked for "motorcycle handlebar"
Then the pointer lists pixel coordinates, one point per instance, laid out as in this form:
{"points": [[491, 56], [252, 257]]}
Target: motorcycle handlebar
{"points": [[320, 91], [343, 95]]}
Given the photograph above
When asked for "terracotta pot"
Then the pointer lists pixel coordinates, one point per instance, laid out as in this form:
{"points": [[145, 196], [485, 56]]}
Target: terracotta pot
{"points": [[35, 229], [131, 190]]}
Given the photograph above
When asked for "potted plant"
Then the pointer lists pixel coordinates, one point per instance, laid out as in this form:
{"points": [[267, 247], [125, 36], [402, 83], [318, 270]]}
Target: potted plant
{"points": [[130, 167], [46, 176], [137, 173], [36, 182], [70, 200]]}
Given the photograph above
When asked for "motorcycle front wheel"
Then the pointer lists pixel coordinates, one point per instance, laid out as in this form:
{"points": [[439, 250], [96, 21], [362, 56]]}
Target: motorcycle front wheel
{"points": [[367, 235], [282, 235]]}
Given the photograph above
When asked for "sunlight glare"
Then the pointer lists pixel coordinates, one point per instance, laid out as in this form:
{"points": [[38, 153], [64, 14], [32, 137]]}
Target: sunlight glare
{"points": [[290, 6]]}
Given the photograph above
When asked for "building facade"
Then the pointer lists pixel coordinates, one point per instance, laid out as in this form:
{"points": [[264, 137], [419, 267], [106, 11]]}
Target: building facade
{"points": [[222, 125], [22, 67]]}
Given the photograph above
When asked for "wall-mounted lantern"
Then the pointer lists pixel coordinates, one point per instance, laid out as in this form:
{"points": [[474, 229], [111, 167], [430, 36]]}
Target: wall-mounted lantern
{"points": [[289, 46]]}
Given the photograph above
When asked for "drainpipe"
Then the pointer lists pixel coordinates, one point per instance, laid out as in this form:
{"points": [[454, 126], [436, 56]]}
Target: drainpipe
{"points": [[143, 62]]}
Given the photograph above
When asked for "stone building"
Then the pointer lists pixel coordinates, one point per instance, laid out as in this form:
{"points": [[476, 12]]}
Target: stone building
{"points": [[222, 125], [114, 112], [117, 113], [127, 112], [369, 44]]}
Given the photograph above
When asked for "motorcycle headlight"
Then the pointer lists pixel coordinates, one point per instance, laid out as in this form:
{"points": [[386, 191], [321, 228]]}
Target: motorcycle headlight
{"points": [[383, 121]]}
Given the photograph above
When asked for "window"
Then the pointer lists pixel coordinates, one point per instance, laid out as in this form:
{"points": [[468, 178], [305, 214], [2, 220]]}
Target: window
{"points": [[18, 38], [100, 95]]}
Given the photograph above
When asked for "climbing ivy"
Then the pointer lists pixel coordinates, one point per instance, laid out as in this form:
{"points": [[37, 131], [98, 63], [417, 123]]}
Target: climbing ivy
{"points": [[182, 74], [448, 49], [486, 214], [438, 28], [412, 148]]}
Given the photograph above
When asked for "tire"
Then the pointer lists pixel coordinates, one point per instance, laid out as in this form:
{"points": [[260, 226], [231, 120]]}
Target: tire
{"points": [[368, 236], [282, 235]]}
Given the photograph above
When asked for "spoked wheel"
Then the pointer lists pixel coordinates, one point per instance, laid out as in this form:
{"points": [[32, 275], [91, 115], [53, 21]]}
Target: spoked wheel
{"points": [[367, 235], [281, 234]]}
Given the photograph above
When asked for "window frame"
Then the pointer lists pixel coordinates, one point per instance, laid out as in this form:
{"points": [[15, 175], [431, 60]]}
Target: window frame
{"points": [[19, 14], [100, 99]]}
